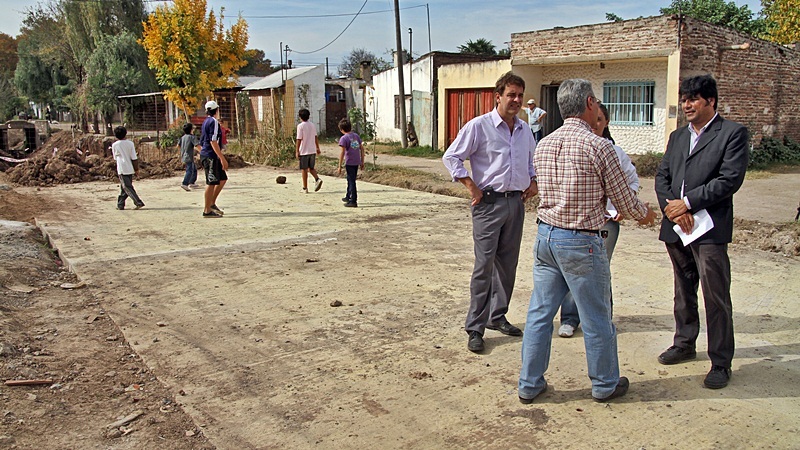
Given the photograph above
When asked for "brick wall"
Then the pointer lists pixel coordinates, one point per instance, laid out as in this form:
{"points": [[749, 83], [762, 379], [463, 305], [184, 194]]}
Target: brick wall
{"points": [[758, 86], [656, 34]]}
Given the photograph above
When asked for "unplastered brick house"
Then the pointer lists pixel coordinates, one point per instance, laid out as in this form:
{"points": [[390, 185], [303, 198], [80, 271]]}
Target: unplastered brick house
{"points": [[636, 67]]}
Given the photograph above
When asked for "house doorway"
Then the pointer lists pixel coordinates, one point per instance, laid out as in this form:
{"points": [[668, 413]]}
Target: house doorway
{"points": [[549, 103], [464, 104]]}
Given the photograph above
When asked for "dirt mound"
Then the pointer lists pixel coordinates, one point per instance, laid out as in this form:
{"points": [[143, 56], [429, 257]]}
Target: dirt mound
{"points": [[783, 238], [65, 159]]}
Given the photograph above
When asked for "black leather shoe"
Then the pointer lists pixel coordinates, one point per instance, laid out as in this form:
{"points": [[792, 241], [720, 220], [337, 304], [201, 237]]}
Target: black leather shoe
{"points": [[717, 378], [619, 391], [506, 328], [528, 401], [475, 343], [674, 355]]}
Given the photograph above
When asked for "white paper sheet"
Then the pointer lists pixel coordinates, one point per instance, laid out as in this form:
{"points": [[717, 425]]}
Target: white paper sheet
{"points": [[702, 224]]}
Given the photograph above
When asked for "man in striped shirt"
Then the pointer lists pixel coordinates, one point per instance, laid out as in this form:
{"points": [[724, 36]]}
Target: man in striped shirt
{"points": [[577, 172]]}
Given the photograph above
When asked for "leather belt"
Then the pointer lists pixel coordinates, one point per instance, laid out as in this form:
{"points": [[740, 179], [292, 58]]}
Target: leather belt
{"points": [[508, 193], [582, 231]]}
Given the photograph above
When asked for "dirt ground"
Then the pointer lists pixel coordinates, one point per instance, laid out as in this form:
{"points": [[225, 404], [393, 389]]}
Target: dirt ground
{"points": [[254, 354]]}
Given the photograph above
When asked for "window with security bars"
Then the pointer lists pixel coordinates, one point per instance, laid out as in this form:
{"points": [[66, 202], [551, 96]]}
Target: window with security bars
{"points": [[629, 102]]}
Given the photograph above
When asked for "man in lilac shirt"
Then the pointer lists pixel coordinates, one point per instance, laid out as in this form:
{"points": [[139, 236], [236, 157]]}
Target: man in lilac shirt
{"points": [[500, 149]]}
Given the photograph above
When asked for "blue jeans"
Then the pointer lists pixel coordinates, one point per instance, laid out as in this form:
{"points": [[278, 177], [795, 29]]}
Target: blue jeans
{"points": [[569, 311], [191, 174], [569, 261]]}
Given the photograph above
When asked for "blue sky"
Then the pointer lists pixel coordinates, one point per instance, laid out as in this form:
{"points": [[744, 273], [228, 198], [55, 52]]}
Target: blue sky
{"points": [[452, 22]]}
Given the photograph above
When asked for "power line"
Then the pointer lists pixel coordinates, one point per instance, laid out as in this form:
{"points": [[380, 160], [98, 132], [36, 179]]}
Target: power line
{"points": [[340, 34], [329, 15]]}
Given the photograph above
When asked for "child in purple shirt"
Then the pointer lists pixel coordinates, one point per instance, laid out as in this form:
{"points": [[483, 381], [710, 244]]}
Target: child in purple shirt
{"points": [[352, 156]]}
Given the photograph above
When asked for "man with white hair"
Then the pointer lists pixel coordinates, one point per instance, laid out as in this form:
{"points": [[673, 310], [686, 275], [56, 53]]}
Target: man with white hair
{"points": [[577, 171]]}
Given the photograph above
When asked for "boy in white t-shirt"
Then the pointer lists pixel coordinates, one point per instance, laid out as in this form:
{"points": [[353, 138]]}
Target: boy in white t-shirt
{"points": [[127, 165], [307, 149]]}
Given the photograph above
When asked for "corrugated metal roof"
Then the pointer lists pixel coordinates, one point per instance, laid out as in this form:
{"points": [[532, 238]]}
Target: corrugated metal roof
{"points": [[276, 80]]}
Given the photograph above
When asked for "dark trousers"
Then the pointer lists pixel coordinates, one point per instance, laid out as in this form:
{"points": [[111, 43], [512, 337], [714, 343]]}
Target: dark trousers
{"points": [[352, 172], [709, 266], [497, 235], [126, 190]]}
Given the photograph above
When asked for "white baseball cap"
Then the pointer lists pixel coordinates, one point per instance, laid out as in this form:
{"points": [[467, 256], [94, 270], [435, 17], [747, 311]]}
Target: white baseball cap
{"points": [[211, 104], [531, 101]]}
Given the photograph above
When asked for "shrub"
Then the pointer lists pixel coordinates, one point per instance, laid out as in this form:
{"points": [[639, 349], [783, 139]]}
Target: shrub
{"points": [[170, 138], [771, 151], [647, 164]]}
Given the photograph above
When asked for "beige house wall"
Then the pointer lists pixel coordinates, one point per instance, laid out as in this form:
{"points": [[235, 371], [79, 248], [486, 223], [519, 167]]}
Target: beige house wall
{"points": [[465, 76]]}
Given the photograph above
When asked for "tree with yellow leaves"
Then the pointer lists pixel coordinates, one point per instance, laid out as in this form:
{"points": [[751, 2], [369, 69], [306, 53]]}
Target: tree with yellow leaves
{"points": [[783, 20], [190, 52]]}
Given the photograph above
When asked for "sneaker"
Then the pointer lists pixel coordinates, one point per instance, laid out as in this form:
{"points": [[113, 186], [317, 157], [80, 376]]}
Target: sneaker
{"points": [[216, 209], [195, 186], [674, 355], [211, 215], [185, 188], [717, 378], [345, 199], [566, 330], [121, 208], [304, 191], [351, 205], [475, 343], [318, 184], [139, 206], [619, 391]]}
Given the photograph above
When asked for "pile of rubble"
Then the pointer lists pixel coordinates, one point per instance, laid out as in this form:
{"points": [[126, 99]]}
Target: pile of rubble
{"points": [[65, 159]]}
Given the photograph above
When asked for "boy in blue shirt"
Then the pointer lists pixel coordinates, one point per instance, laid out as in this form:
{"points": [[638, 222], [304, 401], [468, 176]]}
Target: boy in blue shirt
{"points": [[213, 161]]}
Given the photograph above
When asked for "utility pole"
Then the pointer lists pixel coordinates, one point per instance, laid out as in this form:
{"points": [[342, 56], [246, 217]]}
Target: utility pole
{"points": [[399, 43], [411, 74]]}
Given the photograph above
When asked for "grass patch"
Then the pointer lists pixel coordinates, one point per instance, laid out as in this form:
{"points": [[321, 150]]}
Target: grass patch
{"points": [[425, 151]]}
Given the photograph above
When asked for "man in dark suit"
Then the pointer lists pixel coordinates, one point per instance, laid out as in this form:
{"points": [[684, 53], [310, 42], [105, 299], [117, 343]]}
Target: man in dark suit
{"points": [[703, 167]]}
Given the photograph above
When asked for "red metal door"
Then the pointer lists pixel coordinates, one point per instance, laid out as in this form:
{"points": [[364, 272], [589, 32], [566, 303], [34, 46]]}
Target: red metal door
{"points": [[463, 105]]}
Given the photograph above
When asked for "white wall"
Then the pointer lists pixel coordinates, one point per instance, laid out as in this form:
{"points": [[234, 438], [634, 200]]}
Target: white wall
{"points": [[632, 139], [386, 86], [315, 79]]}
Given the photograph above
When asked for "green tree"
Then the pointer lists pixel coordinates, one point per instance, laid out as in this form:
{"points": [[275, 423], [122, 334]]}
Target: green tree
{"points": [[719, 12], [58, 40], [480, 46], [351, 64], [257, 64], [190, 52], [611, 17], [782, 18], [115, 68]]}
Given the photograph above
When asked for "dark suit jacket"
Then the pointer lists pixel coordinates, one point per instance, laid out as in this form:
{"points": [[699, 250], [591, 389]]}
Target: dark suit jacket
{"points": [[713, 173]]}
